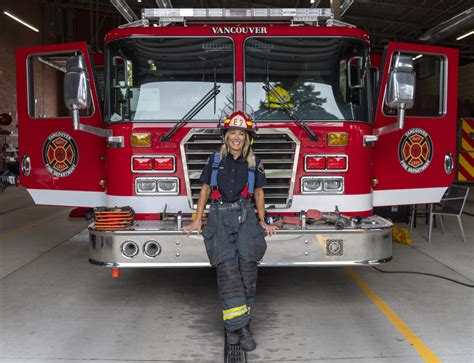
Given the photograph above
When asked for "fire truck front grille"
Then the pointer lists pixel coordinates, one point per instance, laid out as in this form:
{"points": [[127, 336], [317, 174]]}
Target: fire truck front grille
{"points": [[278, 148]]}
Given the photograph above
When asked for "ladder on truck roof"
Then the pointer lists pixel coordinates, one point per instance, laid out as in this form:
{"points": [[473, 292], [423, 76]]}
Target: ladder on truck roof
{"points": [[167, 16]]}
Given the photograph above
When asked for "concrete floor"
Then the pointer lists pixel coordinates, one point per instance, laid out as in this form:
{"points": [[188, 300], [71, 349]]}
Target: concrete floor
{"points": [[55, 306]]}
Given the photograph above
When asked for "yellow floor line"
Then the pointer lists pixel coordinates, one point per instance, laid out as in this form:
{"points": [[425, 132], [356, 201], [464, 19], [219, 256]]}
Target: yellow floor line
{"points": [[29, 225], [397, 322]]}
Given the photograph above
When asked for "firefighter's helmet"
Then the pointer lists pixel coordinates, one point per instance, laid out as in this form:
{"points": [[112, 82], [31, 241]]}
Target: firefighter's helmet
{"points": [[283, 101], [238, 120]]}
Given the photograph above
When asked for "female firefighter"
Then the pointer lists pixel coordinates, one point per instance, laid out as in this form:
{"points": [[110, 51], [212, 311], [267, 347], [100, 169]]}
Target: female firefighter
{"points": [[233, 236]]}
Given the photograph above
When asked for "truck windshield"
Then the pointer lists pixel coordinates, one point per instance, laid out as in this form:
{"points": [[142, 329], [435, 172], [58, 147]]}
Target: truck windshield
{"points": [[319, 79], [161, 79]]}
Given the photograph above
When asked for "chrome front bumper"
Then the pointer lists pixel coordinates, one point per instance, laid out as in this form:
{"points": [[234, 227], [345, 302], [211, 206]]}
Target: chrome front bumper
{"points": [[370, 244]]}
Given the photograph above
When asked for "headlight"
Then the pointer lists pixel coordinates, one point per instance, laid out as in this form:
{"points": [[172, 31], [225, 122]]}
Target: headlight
{"points": [[169, 185], [322, 185], [156, 186], [146, 185], [333, 185], [311, 185]]}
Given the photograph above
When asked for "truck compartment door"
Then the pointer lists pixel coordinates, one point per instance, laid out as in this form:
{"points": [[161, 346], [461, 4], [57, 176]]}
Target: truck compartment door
{"points": [[59, 166], [415, 164]]}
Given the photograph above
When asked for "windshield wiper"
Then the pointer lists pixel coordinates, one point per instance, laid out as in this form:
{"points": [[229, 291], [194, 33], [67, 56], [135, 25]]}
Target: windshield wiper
{"points": [[290, 112], [208, 97]]}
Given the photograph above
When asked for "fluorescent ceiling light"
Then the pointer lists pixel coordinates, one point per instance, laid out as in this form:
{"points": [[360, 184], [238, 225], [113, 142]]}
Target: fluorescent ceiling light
{"points": [[418, 56], [21, 21], [465, 35]]}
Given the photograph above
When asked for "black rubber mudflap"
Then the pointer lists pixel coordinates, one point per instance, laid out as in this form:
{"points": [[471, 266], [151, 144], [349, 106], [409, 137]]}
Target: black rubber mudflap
{"points": [[233, 353]]}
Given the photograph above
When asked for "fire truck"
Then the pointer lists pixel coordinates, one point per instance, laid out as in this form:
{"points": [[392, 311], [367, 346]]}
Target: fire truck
{"points": [[340, 130]]}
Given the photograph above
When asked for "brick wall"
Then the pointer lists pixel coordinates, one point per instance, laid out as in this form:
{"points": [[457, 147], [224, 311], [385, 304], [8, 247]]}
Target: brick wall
{"points": [[14, 35]]}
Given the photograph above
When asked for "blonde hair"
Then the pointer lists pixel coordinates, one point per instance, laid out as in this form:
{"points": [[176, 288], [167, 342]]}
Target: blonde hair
{"points": [[246, 150]]}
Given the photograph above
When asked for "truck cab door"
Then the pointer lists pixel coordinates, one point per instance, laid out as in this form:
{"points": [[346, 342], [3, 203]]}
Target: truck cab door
{"points": [[415, 164], [59, 166]]}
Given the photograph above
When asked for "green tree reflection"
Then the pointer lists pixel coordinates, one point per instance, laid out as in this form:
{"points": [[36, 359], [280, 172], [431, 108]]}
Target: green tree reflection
{"points": [[306, 100]]}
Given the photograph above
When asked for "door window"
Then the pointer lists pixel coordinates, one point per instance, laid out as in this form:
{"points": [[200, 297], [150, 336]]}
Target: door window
{"points": [[46, 86], [430, 88]]}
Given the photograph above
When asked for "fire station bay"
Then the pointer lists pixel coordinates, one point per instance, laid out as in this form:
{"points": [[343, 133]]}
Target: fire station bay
{"points": [[236, 181]]}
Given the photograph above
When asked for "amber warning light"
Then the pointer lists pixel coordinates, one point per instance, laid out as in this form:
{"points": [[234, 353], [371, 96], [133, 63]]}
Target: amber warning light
{"points": [[338, 138], [140, 139]]}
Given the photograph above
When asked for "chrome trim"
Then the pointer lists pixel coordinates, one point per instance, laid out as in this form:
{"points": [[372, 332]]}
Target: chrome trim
{"points": [[326, 170], [276, 173], [156, 180], [368, 245], [322, 178], [115, 141], [91, 129], [370, 139], [448, 163], [153, 171], [261, 264], [26, 165]]}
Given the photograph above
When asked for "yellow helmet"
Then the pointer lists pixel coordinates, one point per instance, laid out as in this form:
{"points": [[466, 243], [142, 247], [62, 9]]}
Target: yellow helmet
{"points": [[271, 101]]}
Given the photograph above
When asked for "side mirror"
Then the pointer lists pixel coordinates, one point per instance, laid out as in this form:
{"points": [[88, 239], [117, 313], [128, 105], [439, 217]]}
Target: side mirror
{"points": [[76, 88], [355, 67], [401, 86]]}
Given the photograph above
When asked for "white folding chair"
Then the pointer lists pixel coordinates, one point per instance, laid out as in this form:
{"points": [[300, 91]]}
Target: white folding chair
{"points": [[451, 204]]}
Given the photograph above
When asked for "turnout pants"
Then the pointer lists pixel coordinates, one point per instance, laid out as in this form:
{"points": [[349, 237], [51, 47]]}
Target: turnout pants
{"points": [[234, 243]]}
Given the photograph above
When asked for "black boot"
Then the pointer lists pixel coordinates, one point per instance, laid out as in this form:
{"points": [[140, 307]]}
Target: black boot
{"points": [[247, 342], [232, 337]]}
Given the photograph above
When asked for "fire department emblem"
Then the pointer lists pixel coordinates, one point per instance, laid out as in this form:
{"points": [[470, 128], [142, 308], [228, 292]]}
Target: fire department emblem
{"points": [[415, 150], [60, 154]]}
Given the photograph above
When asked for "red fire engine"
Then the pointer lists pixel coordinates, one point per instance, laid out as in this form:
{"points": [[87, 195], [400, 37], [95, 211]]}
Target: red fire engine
{"points": [[336, 133]]}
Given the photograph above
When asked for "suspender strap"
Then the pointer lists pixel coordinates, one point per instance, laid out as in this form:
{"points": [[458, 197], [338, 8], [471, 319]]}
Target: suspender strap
{"points": [[248, 190], [216, 160], [215, 167], [251, 178]]}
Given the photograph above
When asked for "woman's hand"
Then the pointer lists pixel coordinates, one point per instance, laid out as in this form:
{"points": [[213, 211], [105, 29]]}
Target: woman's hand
{"points": [[269, 230], [196, 225]]}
